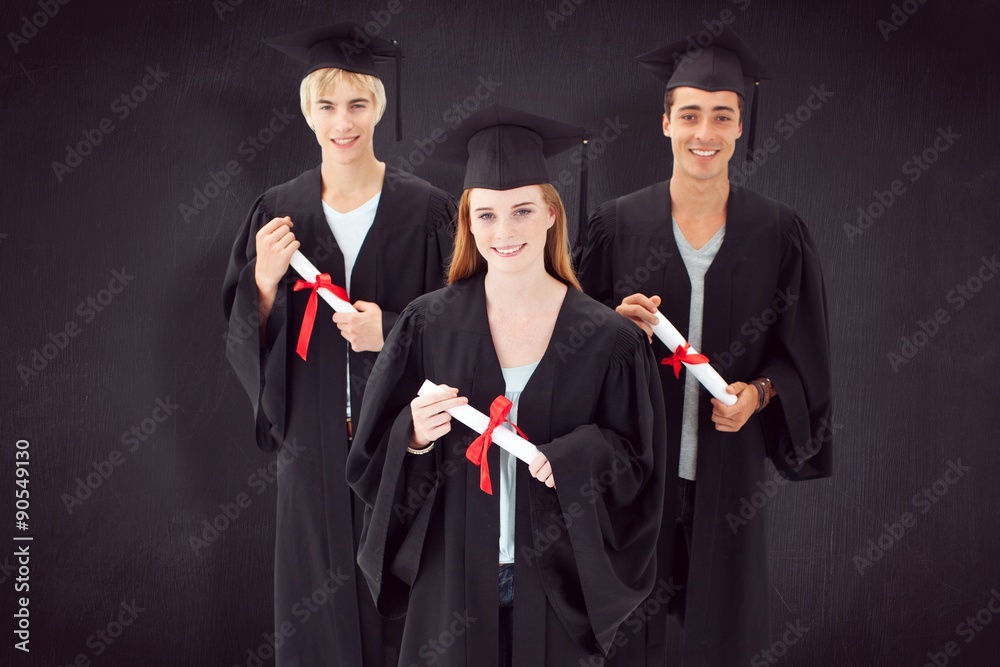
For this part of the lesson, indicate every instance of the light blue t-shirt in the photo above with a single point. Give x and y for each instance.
(515, 379)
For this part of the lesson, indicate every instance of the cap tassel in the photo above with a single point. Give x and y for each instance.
(752, 132)
(399, 91)
(583, 233)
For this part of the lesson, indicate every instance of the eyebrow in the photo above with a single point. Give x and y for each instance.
(697, 107)
(323, 100)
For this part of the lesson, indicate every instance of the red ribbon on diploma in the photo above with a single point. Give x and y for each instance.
(681, 355)
(309, 318)
(476, 453)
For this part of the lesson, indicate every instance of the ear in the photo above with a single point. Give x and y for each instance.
(552, 216)
(739, 132)
(666, 125)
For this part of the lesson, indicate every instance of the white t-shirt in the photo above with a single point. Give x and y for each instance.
(350, 230)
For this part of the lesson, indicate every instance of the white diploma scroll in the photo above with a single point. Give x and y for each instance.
(309, 272)
(705, 374)
(477, 421)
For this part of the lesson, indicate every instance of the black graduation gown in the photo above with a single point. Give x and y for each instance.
(584, 551)
(766, 253)
(299, 406)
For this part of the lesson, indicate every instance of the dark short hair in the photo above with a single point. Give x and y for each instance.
(668, 101)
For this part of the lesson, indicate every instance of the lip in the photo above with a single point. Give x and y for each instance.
(353, 142)
(704, 158)
(520, 248)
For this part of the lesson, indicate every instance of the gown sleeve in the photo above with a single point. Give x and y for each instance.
(259, 365)
(595, 270)
(610, 477)
(797, 423)
(440, 225)
(386, 478)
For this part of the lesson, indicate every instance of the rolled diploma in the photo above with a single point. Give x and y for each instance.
(705, 374)
(308, 272)
(478, 422)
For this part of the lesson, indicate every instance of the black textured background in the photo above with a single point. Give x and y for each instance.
(161, 338)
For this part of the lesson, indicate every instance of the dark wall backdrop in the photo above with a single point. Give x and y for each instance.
(113, 352)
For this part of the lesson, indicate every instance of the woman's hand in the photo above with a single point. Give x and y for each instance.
(430, 421)
(541, 469)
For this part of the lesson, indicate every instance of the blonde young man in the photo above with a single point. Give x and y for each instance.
(384, 237)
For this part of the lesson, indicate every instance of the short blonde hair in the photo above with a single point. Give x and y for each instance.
(466, 260)
(322, 80)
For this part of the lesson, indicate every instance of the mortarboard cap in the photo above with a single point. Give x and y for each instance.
(725, 63)
(345, 46)
(505, 148)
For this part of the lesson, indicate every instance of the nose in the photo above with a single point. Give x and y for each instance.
(505, 227)
(342, 120)
(705, 131)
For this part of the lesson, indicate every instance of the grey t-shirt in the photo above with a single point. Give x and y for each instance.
(697, 263)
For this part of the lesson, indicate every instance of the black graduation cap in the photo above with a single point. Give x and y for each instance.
(726, 63)
(345, 46)
(504, 148)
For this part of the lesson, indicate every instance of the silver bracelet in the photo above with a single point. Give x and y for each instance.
(421, 452)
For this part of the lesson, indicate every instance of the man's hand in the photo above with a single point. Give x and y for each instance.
(363, 329)
(639, 308)
(275, 246)
(430, 421)
(541, 469)
(731, 418)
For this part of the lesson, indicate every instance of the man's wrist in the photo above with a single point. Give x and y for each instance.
(765, 390)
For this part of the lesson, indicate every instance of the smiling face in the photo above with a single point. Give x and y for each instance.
(510, 227)
(344, 118)
(703, 128)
